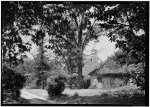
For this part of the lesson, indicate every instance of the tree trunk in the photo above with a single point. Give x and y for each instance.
(80, 54)
(70, 83)
(80, 73)
(43, 79)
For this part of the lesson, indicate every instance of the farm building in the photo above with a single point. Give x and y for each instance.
(102, 77)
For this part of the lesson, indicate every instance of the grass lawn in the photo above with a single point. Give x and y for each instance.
(122, 97)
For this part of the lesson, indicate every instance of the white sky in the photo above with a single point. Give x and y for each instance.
(104, 47)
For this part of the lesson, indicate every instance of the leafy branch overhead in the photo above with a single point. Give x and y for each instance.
(125, 22)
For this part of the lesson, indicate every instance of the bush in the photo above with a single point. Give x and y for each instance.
(86, 83)
(137, 74)
(56, 86)
(12, 82)
(73, 82)
(76, 95)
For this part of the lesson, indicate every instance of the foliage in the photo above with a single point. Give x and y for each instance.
(42, 67)
(13, 50)
(12, 82)
(126, 21)
(56, 87)
(137, 74)
(121, 57)
(67, 30)
(73, 81)
(69, 26)
(12, 47)
(12, 55)
(127, 25)
(70, 65)
(86, 83)
(35, 77)
(76, 95)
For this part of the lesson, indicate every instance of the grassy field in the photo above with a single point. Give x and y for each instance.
(123, 97)
(118, 97)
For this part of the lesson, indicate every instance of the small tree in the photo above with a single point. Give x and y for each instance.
(41, 59)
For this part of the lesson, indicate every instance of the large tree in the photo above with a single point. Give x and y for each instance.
(69, 25)
(41, 59)
(72, 27)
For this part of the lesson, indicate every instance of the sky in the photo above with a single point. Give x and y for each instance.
(104, 47)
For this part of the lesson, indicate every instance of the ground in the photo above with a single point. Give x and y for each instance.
(121, 96)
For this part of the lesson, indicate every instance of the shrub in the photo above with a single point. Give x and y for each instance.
(86, 83)
(76, 95)
(12, 82)
(137, 72)
(56, 86)
(73, 82)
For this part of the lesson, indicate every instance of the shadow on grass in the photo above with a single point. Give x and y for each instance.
(132, 97)
(32, 101)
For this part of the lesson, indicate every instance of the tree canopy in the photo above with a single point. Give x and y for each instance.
(127, 24)
(70, 26)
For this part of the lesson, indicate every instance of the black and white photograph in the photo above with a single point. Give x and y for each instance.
(75, 53)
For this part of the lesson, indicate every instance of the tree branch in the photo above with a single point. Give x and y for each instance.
(86, 38)
(31, 54)
(59, 36)
(75, 19)
(122, 24)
